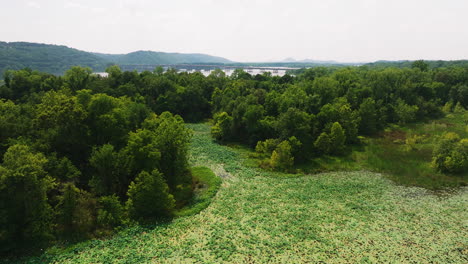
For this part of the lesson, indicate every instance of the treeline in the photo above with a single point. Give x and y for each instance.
(290, 119)
(80, 158)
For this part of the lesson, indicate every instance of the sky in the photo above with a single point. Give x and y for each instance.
(247, 30)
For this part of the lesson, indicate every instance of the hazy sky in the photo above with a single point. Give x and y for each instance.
(247, 30)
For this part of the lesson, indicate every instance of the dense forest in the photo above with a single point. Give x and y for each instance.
(57, 59)
(97, 153)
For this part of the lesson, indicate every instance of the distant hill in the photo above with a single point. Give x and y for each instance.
(152, 57)
(48, 58)
(57, 59)
(406, 63)
(292, 60)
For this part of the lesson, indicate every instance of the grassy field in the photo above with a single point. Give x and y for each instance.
(265, 217)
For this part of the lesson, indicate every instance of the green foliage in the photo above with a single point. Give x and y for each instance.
(110, 212)
(420, 64)
(76, 219)
(149, 197)
(25, 215)
(77, 78)
(323, 143)
(222, 128)
(451, 154)
(270, 217)
(337, 138)
(368, 114)
(281, 158)
(207, 185)
(405, 113)
(110, 171)
(267, 146)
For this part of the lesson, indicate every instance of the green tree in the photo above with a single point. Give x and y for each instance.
(420, 64)
(172, 139)
(110, 213)
(76, 212)
(110, 171)
(222, 130)
(405, 113)
(149, 197)
(451, 154)
(323, 143)
(77, 78)
(281, 158)
(59, 125)
(337, 138)
(25, 215)
(368, 114)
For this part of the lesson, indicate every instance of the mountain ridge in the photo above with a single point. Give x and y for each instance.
(56, 59)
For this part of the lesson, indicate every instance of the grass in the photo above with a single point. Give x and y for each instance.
(263, 217)
(206, 185)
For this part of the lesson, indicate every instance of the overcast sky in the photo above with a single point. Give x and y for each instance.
(247, 30)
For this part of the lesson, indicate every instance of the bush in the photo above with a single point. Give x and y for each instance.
(267, 146)
(281, 158)
(110, 212)
(451, 154)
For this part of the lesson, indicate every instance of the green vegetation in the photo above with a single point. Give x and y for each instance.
(269, 217)
(77, 163)
(154, 58)
(58, 59)
(48, 58)
(104, 154)
(206, 185)
(405, 154)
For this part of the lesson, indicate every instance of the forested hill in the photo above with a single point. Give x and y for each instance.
(151, 57)
(432, 64)
(44, 57)
(57, 59)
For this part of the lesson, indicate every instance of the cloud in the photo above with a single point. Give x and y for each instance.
(33, 4)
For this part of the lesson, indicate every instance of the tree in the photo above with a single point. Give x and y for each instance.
(405, 113)
(75, 210)
(171, 138)
(149, 197)
(110, 213)
(77, 78)
(222, 130)
(281, 158)
(110, 171)
(59, 125)
(451, 154)
(368, 114)
(420, 64)
(25, 215)
(337, 138)
(323, 143)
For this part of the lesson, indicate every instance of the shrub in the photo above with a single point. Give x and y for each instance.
(110, 212)
(281, 158)
(451, 154)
